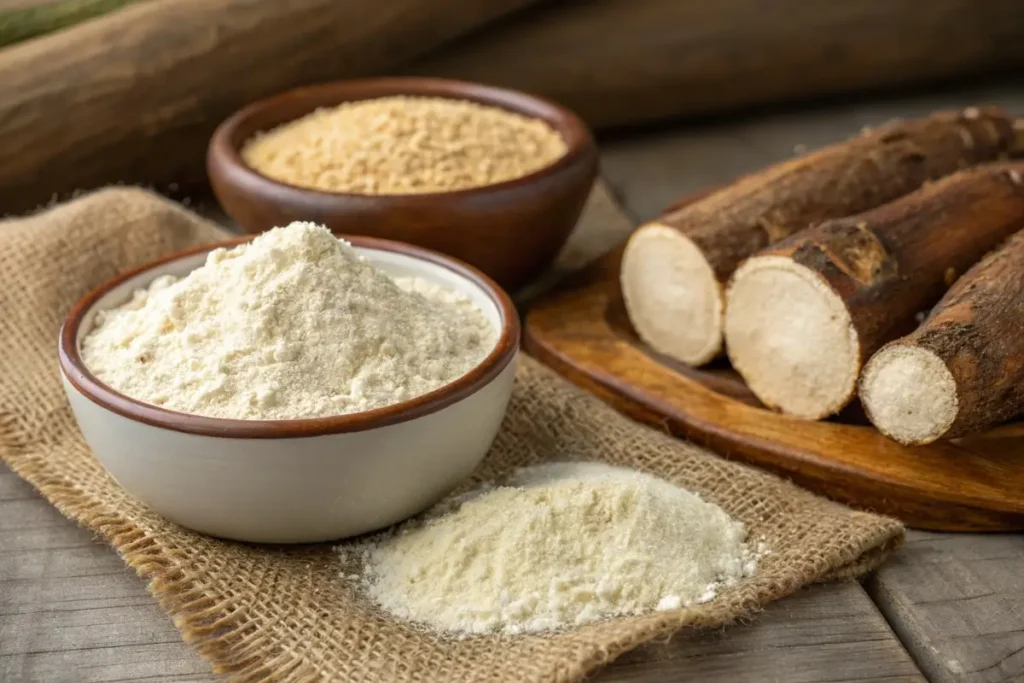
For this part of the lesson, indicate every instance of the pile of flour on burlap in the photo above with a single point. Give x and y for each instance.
(559, 544)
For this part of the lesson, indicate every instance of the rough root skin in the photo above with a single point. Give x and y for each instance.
(672, 295)
(909, 394)
(790, 337)
(973, 338)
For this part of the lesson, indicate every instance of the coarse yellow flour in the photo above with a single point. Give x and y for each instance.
(558, 545)
(405, 145)
(293, 324)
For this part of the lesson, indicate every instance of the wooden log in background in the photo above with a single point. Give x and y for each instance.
(623, 62)
(135, 95)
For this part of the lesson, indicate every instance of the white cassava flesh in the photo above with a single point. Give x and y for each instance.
(790, 336)
(671, 294)
(909, 394)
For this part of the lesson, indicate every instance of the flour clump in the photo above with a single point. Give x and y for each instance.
(558, 545)
(294, 324)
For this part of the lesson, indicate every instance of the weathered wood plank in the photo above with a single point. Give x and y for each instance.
(824, 633)
(71, 611)
(957, 603)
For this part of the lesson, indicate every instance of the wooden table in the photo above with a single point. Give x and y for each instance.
(944, 608)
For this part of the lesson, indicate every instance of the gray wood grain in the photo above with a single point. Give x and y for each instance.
(957, 602)
(824, 633)
(72, 612)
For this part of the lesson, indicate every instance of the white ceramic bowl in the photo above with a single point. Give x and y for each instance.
(292, 481)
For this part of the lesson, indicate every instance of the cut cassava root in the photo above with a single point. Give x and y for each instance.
(804, 315)
(673, 269)
(962, 370)
(672, 294)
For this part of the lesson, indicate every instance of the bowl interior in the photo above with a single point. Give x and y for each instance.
(394, 263)
(269, 113)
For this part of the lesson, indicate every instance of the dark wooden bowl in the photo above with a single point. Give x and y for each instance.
(510, 230)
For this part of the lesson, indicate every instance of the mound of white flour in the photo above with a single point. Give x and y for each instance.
(560, 544)
(294, 324)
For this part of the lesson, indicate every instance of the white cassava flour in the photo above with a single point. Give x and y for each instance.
(294, 324)
(558, 545)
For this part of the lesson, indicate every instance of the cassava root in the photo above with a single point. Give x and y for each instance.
(962, 370)
(805, 314)
(674, 268)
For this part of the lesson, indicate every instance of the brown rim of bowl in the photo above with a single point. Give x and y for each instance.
(497, 360)
(569, 126)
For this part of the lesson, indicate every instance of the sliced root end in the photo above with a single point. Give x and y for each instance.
(909, 394)
(790, 336)
(671, 294)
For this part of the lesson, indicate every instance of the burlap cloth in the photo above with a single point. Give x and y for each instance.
(280, 613)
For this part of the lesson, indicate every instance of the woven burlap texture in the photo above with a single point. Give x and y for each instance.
(281, 613)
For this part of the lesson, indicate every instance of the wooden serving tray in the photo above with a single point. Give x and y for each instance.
(975, 484)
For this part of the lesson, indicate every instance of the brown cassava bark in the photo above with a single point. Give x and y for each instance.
(840, 180)
(892, 262)
(977, 330)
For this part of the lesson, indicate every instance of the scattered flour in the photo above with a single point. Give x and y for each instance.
(559, 544)
(293, 324)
